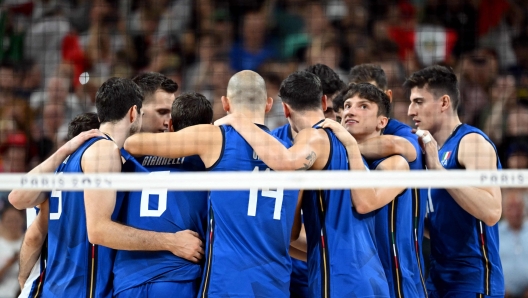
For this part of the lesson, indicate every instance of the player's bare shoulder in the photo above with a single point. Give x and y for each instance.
(102, 156)
(475, 152)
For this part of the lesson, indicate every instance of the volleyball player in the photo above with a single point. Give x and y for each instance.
(397, 138)
(463, 229)
(331, 84)
(249, 231)
(33, 250)
(342, 256)
(365, 115)
(154, 274)
(80, 223)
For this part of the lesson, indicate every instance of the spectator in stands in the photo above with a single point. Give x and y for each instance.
(275, 117)
(57, 92)
(44, 38)
(520, 47)
(12, 223)
(14, 154)
(517, 155)
(7, 82)
(253, 49)
(513, 233)
(326, 50)
(478, 70)
(503, 98)
(196, 74)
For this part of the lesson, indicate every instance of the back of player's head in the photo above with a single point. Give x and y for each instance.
(439, 80)
(82, 122)
(367, 73)
(247, 89)
(149, 82)
(371, 93)
(190, 109)
(115, 97)
(330, 80)
(302, 91)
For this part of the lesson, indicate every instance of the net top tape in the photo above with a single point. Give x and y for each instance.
(263, 180)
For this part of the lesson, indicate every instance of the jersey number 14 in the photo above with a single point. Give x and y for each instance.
(265, 192)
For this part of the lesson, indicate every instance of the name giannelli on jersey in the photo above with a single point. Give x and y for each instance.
(161, 161)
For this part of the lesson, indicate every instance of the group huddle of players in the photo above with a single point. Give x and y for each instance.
(344, 243)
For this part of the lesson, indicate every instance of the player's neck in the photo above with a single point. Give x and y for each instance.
(306, 119)
(254, 117)
(360, 138)
(447, 128)
(118, 132)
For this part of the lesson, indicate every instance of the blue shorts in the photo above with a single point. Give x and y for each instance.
(161, 289)
(455, 294)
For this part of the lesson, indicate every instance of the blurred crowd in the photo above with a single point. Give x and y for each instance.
(54, 54)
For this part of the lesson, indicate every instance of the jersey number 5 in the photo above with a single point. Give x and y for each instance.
(253, 197)
(161, 193)
(56, 215)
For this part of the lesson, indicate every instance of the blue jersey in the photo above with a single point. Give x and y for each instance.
(342, 256)
(161, 210)
(395, 243)
(249, 231)
(284, 134)
(299, 276)
(464, 250)
(76, 268)
(419, 198)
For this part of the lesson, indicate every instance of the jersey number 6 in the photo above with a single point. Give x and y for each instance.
(161, 193)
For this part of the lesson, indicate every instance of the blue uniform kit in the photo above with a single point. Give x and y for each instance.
(161, 210)
(246, 235)
(75, 267)
(465, 251)
(248, 231)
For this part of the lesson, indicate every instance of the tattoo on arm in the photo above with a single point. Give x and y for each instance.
(311, 159)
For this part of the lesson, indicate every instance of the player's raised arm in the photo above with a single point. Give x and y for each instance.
(24, 198)
(307, 148)
(203, 140)
(387, 145)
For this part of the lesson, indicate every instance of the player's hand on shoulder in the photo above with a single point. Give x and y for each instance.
(187, 245)
(78, 140)
(341, 133)
(429, 147)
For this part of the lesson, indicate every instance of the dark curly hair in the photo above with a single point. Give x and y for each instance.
(329, 79)
(439, 80)
(371, 93)
(366, 73)
(190, 109)
(149, 82)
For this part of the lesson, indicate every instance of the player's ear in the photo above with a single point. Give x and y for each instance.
(225, 104)
(324, 102)
(133, 113)
(445, 103)
(382, 122)
(171, 128)
(286, 110)
(389, 94)
(269, 104)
